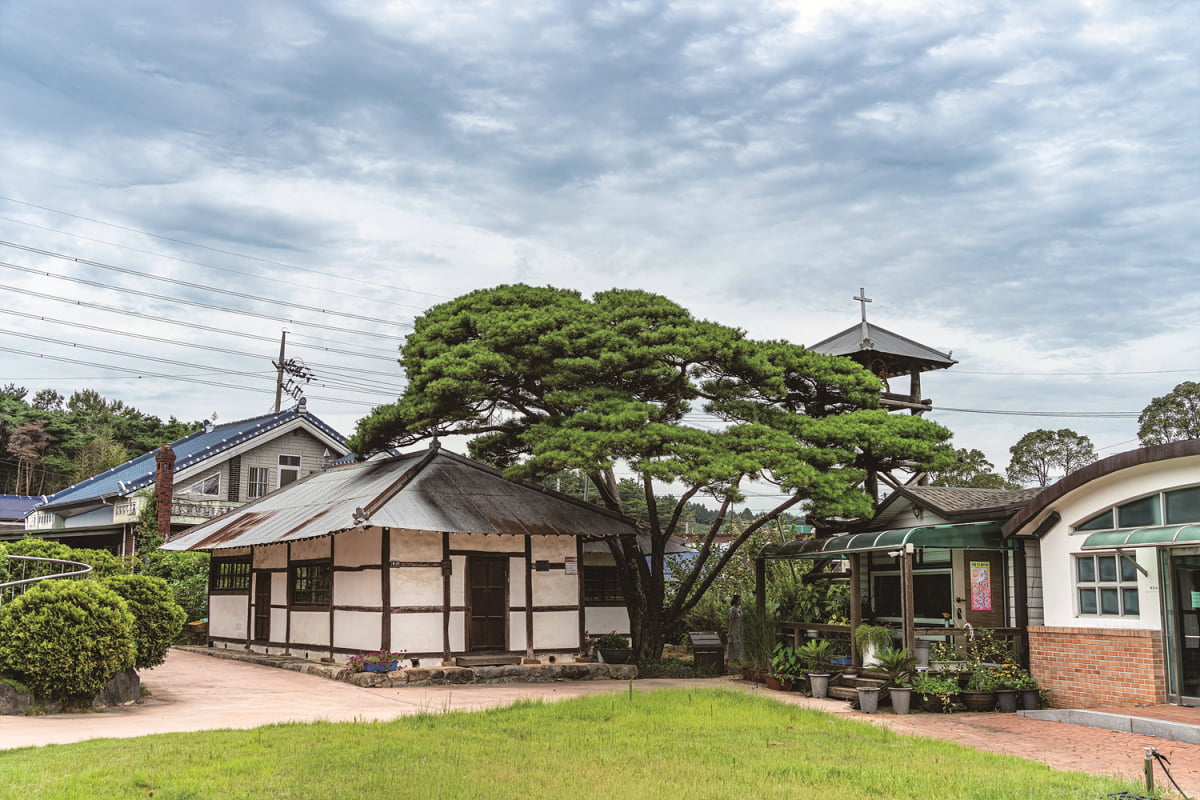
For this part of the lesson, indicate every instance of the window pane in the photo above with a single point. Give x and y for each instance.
(1100, 522)
(1087, 601)
(1183, 505)
(1129, 597)
(1085, 569)
(1108, 567)
(1109, 602)
(1128, 570)
(1139, 512)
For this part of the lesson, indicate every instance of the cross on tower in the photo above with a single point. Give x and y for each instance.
(863, 299)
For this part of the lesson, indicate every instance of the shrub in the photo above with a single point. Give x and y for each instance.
(66, 639)
(157, 617)
(186, 574)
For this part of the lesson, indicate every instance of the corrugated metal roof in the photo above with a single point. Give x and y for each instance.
(189, 450)
(867, 341)
(959, 536)
(16, 506)
(427, 491)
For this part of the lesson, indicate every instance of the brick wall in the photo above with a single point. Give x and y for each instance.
(1085, 667)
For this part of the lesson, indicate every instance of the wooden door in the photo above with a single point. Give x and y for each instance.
(487, 603)
(262, 606)
(984, 589)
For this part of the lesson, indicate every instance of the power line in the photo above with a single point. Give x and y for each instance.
(1080, 414)
(197, 303)
(217, 249)
(201, 286)
(169, 257)
(156, 318)
(1078, 374)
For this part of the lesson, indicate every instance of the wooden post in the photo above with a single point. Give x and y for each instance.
(907, 604)
(915, 389)
(1021, 601)
(385, 588)
(760, 586)
(855, 605)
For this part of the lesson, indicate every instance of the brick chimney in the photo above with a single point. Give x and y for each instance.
(164, 488)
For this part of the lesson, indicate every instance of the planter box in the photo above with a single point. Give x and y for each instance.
(615, 655)
(387, 666)
(979, 701)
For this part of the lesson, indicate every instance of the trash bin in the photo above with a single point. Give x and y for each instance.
(708, 651)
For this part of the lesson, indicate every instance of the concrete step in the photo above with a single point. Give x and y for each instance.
(499, 660)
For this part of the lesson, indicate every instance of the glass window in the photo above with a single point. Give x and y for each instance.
(260, 482)
(289, 469)
(312, 584)
(210, 485)
(1138, 513)
(1106, 585)
(602, 585)
(1100, 522)
(230, 575)
(1183, 505)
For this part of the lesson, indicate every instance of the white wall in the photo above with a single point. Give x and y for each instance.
(358, 548)
(360, 630)
(272, 556)
(310, 627)
(305, 549)
(420, 633)
(227, 615)
(358, 588)
(555, 629)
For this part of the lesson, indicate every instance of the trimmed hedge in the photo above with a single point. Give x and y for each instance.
(66, 639)
(158, 619)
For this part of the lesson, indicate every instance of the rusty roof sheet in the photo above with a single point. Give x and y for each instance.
(429, 491)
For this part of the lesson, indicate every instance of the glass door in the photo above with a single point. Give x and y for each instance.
(1184, 621)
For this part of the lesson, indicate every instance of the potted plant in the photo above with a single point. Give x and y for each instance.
(980, 694)
(786, 666)
(897, 663)
(937, 693)
(945, 657)
(1028, 696)
(1007, 678)
(815, 655)
(380, 661)
(869, 639)
(613, 648)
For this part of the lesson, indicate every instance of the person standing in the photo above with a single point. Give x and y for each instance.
(733, 636)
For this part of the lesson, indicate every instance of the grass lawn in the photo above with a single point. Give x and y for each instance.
(673, 745)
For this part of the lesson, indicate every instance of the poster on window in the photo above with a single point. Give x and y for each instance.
(981, 586)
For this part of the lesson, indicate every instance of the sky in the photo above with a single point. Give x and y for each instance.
(1013, 182)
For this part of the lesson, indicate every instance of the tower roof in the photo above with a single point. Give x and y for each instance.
(869, 344)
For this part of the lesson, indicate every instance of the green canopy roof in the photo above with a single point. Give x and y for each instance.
(961, 536)
(1159, 536)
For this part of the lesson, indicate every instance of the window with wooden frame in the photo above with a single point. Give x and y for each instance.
(229, 575)
(602, 586)
(289, 469)
(311, 584)
(259, 482)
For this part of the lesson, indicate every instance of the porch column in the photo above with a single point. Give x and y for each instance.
(907, 604)
(1021, 601)
(855, 606)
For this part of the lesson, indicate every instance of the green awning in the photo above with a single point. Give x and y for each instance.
(961, 536)
(1159, 536)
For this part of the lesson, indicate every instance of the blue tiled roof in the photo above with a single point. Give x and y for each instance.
(190, 450)
(16, 506)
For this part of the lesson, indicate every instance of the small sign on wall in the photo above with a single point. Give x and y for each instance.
(571, 565)
(981, 586)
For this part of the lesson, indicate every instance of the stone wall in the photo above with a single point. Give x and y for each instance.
(1086, 667)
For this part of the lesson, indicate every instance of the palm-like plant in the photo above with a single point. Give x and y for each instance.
(896, 662)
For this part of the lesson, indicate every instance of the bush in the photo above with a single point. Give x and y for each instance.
(186, 574)
(66, 639)
(158, 618)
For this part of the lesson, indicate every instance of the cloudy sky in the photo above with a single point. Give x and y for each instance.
(1015, 182)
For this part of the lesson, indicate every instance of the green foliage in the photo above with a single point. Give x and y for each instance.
(759, 635)
(1041, 454)
(548, 381)
(971, 470)
(786, 662)
(158, 618)
(895, 661)
(611, 641)
(983, 679)
(66, 639)
(1173, 417)
(673, 668)
(872, 637)
(929, 685)
(816, 655)
(185, 573)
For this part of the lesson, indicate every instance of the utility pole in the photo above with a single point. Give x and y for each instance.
(279, 373)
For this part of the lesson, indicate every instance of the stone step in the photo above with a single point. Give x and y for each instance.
(499, 660)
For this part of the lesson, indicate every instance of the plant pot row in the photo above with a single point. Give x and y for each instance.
(1008, 700)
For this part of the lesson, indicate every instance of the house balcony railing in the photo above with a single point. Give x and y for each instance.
(201, 510)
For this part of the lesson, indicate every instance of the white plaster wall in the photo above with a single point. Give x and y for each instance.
(279, 587)
(271, 556)
(359, 588)
(310, 627)
(606, 619)
(101, 516)
(487, 543)
(278, 624)
(552, 548)
(416, 586)
(418, 633)
(458, 632)
(311, 548)
(555, 588)
(516, 631)
(516, 581)
(1060, 543)
(555, 629)
(230, 552)
(358, 548)
(416, 545)
(227, 615)
(458, 572)
(359, 630)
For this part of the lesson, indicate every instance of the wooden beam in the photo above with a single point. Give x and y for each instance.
(855, 604)
(385, 588)
(907, 605)
(529, 597)
(446, 569)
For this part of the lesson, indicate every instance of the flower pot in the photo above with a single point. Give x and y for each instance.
(921, 651)
(978, 701)
(1006, 700)
(1030, 699)
(386, 666)
(819, 683)
(786, 682)
(772, 681)
(868, 699)
(615, 655)
(934, 703)
(901, 698)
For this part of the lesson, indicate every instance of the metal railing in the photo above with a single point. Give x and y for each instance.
(12, 589)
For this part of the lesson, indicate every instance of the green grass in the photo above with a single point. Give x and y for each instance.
(674, 745)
